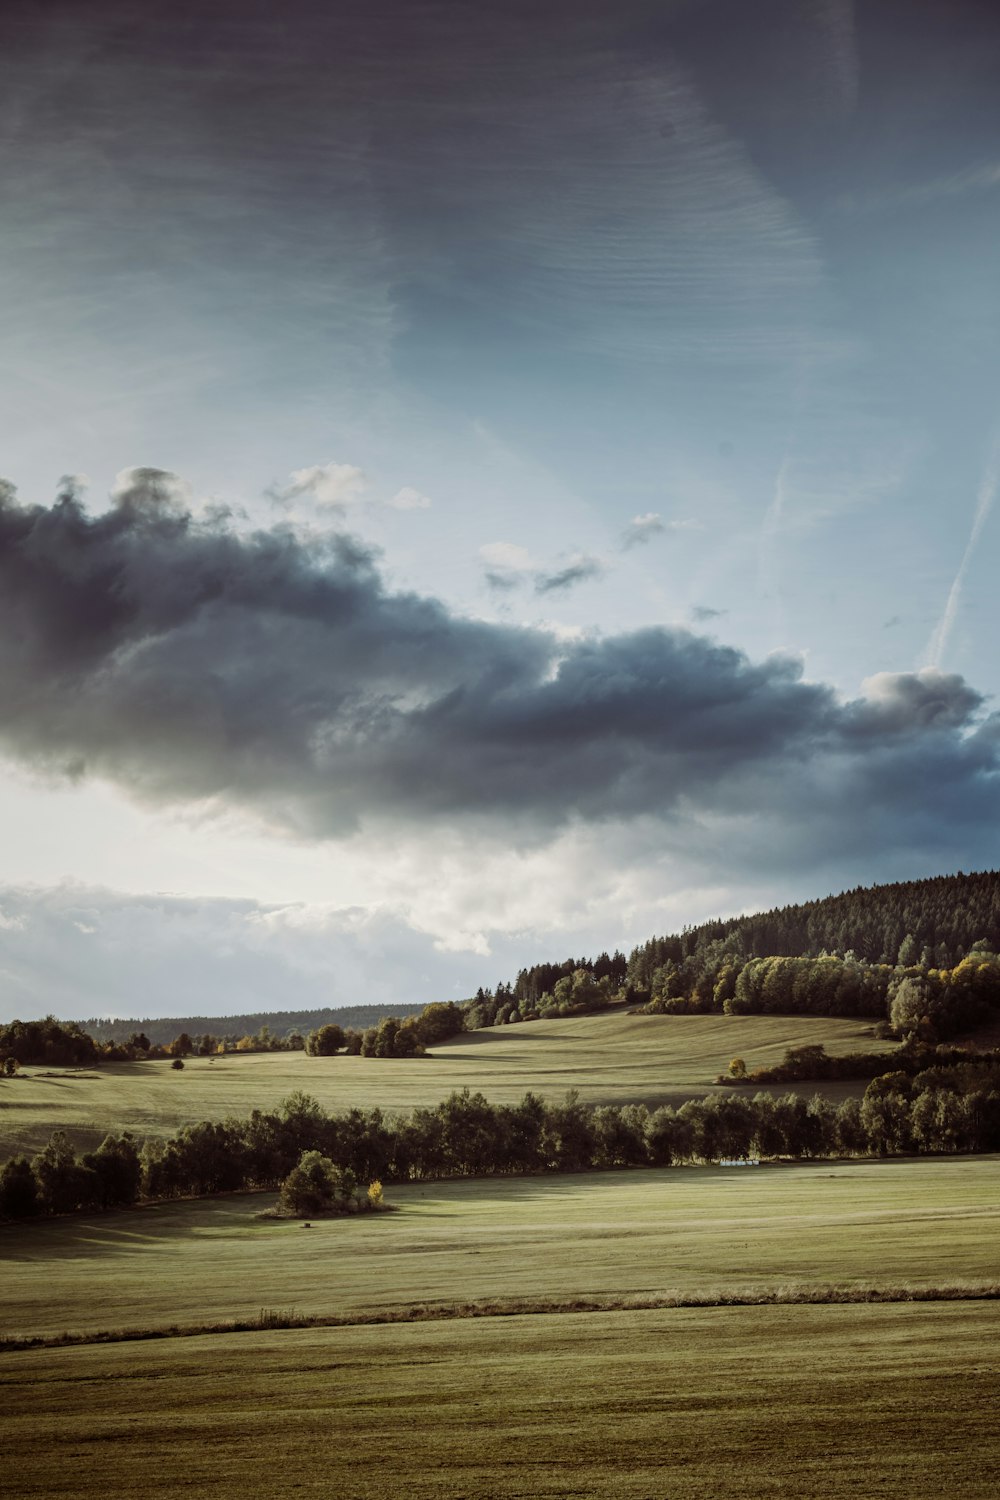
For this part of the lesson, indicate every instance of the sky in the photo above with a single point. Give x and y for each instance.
(484, 484)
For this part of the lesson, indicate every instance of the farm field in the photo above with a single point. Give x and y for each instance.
(609, 1058)
(642, 1233)
(859, 1402)
(822, 1400)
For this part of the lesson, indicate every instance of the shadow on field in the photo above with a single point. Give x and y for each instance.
(30, 1106)
(70, 1237)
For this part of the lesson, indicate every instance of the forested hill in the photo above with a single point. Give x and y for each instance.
(162, 1031)
(930, 945)
(926, 922)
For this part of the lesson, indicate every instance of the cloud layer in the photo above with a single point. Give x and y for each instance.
(81, 951)
(275, 675)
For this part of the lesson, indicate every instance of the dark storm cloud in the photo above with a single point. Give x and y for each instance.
(266, 673)
(903, 702)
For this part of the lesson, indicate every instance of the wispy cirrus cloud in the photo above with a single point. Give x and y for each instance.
(983, 177)
(985, 500)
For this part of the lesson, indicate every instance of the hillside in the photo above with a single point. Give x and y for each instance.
(613, 1057)
(845, 955)
(929, 922)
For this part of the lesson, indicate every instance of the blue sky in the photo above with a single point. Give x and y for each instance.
(649, 356)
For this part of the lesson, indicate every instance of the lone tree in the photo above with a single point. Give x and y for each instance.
(317, 1186)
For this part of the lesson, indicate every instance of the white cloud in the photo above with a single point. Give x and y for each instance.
(81, 951)
(643, 528)
(330, 487)
(508, 565)
(507, 555)
(409, 499)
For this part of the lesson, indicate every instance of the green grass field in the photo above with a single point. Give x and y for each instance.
(537, 1397)
(923, 1221)
(839, 1403)
(610, 1058)
(832, 1401)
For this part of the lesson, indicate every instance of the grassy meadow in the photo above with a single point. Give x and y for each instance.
(688, 1404)
(817, 1400)
(539, 1394)
(610, 1058)
(646, 1232)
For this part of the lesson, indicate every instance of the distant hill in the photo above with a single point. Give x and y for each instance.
(161, 1030)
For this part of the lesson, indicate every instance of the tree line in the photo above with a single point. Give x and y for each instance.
(161, 1030)
(52, 1043)
(946, 1107)
(908, 1001)
(911, 1003)
(392, 1036)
